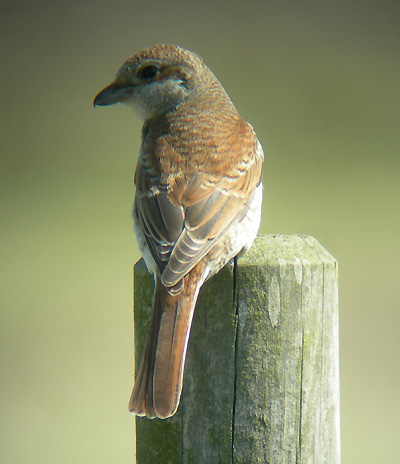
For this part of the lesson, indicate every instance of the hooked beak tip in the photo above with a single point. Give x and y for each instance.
(110, 95)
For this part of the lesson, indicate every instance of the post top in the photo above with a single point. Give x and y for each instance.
(270, 249)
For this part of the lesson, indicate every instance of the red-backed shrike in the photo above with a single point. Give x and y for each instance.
(197, 203)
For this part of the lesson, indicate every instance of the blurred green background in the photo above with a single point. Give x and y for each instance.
(318, 80)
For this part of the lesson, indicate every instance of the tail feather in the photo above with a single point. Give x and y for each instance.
(159, 380)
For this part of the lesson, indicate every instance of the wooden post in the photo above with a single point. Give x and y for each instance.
(261, 382)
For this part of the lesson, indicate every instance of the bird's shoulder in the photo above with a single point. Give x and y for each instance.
(201, 150)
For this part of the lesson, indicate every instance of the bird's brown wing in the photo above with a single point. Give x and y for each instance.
(184, 217)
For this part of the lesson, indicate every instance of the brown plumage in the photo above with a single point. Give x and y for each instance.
(197, 202)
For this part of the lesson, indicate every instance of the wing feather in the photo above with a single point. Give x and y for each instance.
(184, 216)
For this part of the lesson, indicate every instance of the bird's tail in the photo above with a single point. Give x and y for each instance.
(158, 385)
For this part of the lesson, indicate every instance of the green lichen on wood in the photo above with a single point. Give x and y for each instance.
(208, 387)
(281, 354)
(203, 423)
(158, 442)
(261, 378)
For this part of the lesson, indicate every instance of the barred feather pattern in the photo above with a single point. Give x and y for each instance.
(197, 202)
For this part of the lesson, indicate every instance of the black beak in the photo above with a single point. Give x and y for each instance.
(111, 95)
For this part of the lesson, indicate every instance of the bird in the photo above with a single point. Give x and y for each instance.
(197, 200)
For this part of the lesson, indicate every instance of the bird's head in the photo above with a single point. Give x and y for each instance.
(155, 80)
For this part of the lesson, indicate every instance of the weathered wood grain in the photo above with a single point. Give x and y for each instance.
(261, 381)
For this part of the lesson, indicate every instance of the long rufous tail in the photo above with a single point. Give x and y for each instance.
(159, 380)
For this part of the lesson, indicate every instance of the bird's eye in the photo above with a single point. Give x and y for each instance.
(148, 73)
